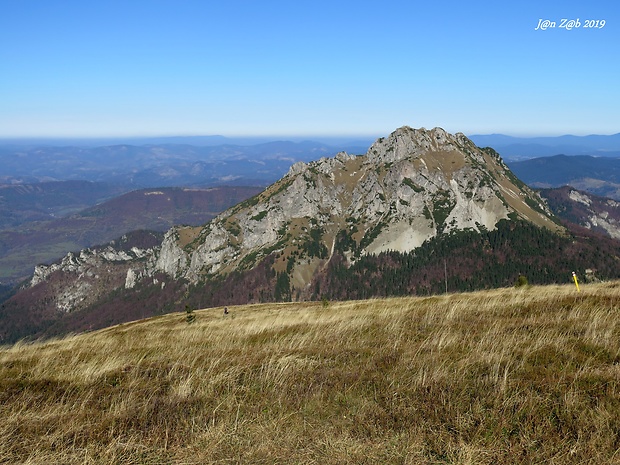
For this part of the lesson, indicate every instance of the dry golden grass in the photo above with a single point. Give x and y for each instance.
(525, 375)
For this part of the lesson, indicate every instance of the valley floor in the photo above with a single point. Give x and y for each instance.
(528, 375)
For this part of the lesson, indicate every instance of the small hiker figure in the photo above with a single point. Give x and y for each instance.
(225, 310)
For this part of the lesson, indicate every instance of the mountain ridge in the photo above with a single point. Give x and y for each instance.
(598, 175)
(544, 146)
(408, 187)
(585, 209)
(166, 165)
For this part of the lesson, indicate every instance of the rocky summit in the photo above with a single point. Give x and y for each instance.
(408, 188)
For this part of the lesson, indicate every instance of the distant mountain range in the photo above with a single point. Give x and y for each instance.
(26, 203)
(159, 165)
(507, 146)
(198, 141)
(215, 160)
(597, 175)
(530, 147)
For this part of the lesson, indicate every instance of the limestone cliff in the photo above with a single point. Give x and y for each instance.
(406, 189)
(80, 279)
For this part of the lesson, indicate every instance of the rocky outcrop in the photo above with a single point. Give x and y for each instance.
(87, 260)
(590, 211)
(80, 279)
(407, 188)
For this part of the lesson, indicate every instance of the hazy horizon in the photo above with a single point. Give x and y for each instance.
(215, 139)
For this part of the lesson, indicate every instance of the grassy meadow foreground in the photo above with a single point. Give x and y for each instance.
(528, 375)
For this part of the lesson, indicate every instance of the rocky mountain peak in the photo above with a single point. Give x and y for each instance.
(407, 142)
(409, 187)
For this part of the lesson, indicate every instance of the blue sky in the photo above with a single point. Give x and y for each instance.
(186, 67)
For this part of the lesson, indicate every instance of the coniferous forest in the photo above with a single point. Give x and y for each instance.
(468, 260)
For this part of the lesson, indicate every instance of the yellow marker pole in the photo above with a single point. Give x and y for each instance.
(576, 282)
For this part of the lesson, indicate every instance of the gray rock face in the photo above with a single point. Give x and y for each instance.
(601, 213)
(90, 273)
(409, 187)
(410, 143)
